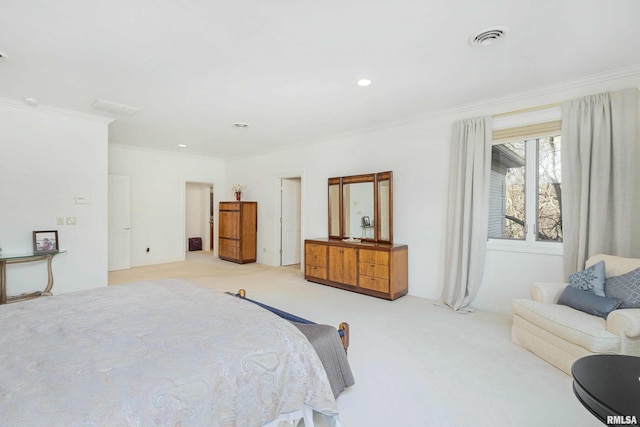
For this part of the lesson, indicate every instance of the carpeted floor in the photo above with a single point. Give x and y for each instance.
(415, 364)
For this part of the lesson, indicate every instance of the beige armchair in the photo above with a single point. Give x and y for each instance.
(560, 334)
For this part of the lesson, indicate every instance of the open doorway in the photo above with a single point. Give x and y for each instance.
(290, 221)
(199, 212)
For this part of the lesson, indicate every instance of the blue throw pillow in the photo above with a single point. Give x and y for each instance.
(626, 287)
(588, 302)
(590, 279)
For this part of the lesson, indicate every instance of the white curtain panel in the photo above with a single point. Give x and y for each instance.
(601, 177)
(467, 213)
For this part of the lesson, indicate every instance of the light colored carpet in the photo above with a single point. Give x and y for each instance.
(415, 364)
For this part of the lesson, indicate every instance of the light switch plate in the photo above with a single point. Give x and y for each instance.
(71, 220)
(60, 220)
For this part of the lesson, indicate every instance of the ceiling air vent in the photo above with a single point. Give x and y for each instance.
(114, 107)
(487, 36)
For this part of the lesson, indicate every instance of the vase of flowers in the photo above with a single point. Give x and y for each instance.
(237, 189)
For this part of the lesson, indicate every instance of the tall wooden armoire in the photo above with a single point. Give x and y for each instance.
(237, 233)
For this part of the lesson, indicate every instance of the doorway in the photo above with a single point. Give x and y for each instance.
(199, 212)
(290, 221)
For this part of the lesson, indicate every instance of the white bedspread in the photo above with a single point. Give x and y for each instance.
(163, 353)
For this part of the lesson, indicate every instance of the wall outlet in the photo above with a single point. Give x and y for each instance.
(71, 220)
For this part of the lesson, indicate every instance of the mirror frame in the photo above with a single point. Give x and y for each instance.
(338, 182)
(374, 178)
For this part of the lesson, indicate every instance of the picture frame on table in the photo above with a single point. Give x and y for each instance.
(366, 221)
(45, 241)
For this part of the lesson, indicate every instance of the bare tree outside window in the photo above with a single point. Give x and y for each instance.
(549, 221)
(510, 198)
(515, 197)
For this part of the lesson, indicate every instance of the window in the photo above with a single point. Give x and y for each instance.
(526, 192)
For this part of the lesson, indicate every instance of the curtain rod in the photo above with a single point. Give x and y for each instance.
(526, 110)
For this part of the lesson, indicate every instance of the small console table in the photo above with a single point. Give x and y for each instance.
(19, 258)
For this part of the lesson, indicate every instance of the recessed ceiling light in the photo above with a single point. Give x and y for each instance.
(31, 100)
(182, 145)
(241, 125)
(363, 82)
(488, 36)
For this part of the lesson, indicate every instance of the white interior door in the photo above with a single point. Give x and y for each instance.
(119, 222)
(290, 228)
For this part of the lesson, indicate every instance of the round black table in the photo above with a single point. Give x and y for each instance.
(608, 385)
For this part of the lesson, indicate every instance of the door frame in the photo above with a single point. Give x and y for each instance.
(209, 186)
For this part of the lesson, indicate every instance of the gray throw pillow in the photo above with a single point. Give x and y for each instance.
(590, 279)
(626, 287)
(588, 302)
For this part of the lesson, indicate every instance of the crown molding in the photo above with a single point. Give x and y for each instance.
(495, 105)
(164, 151)
(7, 102)
(590, 80)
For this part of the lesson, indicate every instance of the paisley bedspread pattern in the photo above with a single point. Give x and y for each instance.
(153, 353)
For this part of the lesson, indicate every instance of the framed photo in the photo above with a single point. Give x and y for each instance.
(366, 222)
(45, 241)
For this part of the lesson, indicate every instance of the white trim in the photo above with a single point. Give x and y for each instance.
(55, 110)
(545, 248)
(527, 118)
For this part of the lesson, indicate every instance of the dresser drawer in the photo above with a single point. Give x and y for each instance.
(374, 270)
(374, 283)
(229, 248)
(374, 257)
(317, 260)
(315, 271)
(311, 249)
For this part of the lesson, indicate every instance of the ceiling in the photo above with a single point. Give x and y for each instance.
(288, 67)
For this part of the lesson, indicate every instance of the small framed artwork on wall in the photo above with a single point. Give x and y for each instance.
(45, 241)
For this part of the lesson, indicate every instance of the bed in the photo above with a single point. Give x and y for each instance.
(160, 353)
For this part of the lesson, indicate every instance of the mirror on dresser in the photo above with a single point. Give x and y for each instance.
(361, 207)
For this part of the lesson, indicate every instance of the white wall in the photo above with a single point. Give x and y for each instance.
(418, 154)
(47, 158)
(158, 194)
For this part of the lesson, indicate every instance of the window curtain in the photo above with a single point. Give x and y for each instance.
(601, 177)
(467, 213)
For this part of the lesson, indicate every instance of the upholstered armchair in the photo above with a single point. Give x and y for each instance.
(561, 334)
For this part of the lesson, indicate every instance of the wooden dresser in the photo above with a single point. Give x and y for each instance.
(237, 232)
(376, 269)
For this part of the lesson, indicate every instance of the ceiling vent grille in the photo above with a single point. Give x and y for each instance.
(114, 107)
(487, 36)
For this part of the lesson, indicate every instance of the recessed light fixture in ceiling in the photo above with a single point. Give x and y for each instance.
(30, 100)
(241, 125)
(114, 107)
(488, 36)
(182, 145)
(363, 82)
